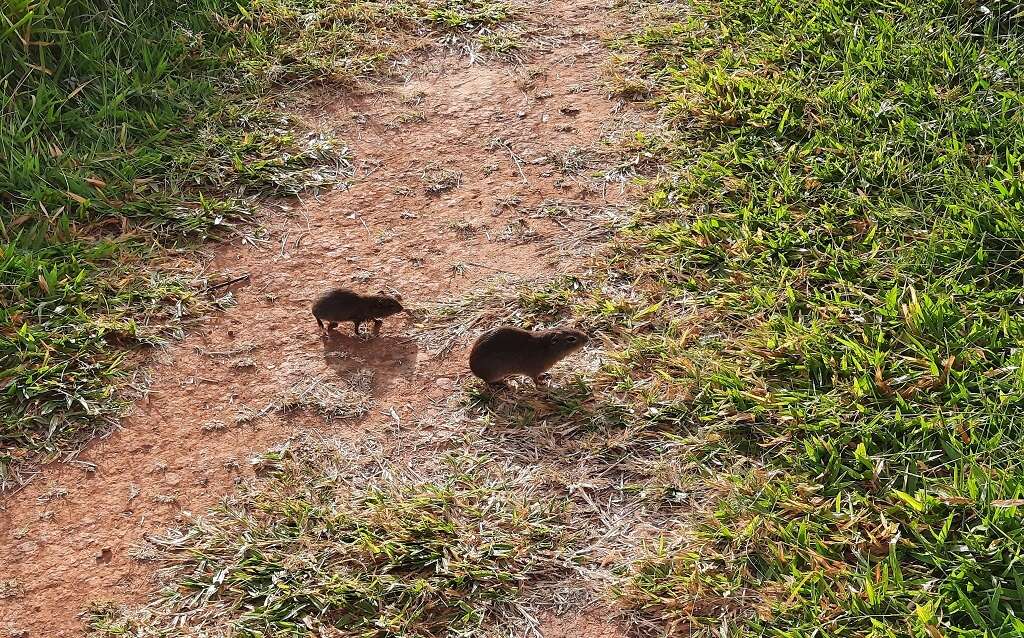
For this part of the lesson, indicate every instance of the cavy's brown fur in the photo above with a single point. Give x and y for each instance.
(507, 351)
(342, 304)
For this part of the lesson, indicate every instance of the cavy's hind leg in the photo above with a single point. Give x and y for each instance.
(542, 380)
(355, 326)
(377, 323)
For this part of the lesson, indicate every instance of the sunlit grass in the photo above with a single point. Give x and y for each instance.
(842, 222)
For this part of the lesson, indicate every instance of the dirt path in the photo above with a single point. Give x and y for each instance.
(67, 539)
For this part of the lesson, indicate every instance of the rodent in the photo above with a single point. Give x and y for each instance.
(343, 304)
(504, 352)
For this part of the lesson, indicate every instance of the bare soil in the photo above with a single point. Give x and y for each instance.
(67, 539)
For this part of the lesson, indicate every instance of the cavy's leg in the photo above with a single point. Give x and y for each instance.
(356, 325)
(377, 323)
(542, 379)
(331, 325)
(320, 323)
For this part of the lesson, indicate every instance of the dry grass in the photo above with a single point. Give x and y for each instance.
(332, 541)
(346, 400)
(437, 179)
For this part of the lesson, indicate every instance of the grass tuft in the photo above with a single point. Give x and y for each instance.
(313, 547)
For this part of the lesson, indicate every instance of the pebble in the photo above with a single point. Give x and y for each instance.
(28, 547)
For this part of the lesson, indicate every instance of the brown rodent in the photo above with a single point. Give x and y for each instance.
(345, 305)
(505, 352)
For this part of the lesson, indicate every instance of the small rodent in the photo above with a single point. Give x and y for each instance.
(504, 352)
(342, 304)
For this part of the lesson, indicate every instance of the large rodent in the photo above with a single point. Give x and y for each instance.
(342, 304)
(506, 351)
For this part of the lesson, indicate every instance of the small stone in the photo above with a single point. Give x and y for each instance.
(28, 547)
(443, 382)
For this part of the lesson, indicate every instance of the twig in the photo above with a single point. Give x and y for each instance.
(516, 160)
(369, 235)
(227, 283)
(505, 272)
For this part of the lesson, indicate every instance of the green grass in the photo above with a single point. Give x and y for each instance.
(317, 547)
(129, 132)
(836, 255)
(811, 386)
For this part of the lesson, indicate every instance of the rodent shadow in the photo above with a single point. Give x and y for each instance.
(388, 357)
(568, 407)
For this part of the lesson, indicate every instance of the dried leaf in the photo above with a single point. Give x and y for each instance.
(882, 384)
(1009, 502)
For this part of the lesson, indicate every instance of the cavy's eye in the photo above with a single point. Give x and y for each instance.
(571, 338)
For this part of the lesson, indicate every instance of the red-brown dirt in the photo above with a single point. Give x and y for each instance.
(65, 539)
(594, 623)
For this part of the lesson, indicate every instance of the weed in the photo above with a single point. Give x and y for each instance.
(504, 42)
(518, 231)
(438, 179)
